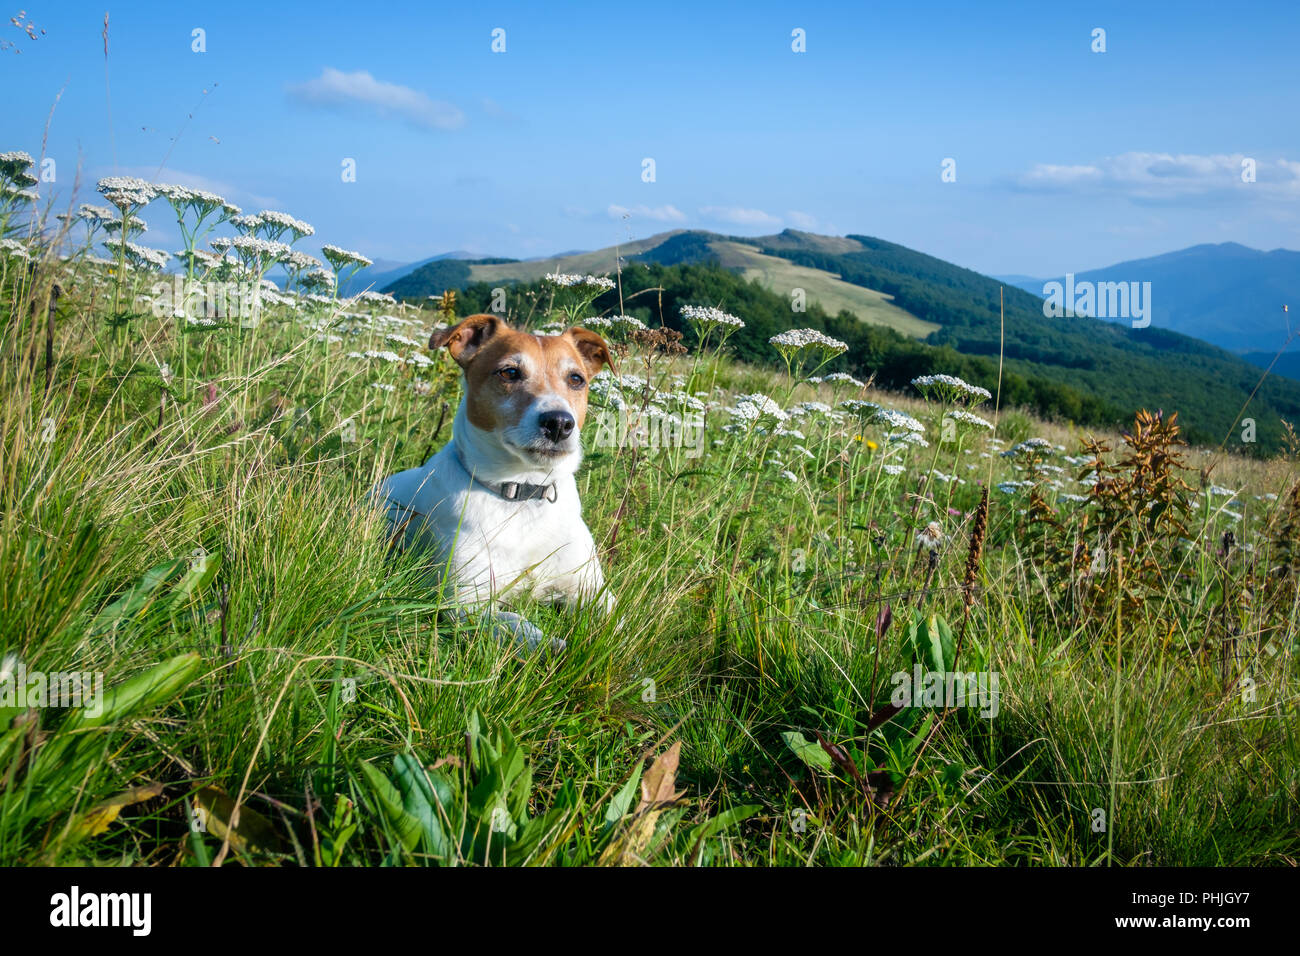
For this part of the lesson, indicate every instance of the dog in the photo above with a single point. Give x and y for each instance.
(498, 505)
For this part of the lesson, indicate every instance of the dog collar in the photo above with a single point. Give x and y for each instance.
(514, 490)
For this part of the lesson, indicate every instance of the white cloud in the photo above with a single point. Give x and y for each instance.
(739, 216)
(1047, 174)
(658, 213)
(1146, 175)
(334, 89)
(802, 220)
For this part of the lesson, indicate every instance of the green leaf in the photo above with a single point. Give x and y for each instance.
(724, 820)
(197, 576)
(621, 803)
(932, 643)
(146, 691)
(810, 752)
(137, 597)
(404, 824)
(421, 803)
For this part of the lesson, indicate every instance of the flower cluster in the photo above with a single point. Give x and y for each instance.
(275, 224)
(950, 388)
(751, 408)
(967, 418)
(703, 317)
(204, 202)
(339, 258)
(15, 163)
(139, 256)
(1030, 446)
(896, 419)
(583, 283)
(127, 192)
(792, 341)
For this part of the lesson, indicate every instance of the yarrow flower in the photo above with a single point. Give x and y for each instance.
(96, 215)
(339, 258)
(793, 341)
(753, 407)
(275, 224)
(136, 225)
(1011, 487)
(704, 318)
(950, 388)
(810, 408)
(14, 248)
(966, 418)
(14, 163)
(627, 323)
(257, 253)
(127, 192)
(201, 257)
(859, 407)
(906, 438)
(896, 419)
(1030, 446)
(299, 261)
(202, 201)
(842, 378)
(141, 257)
(581, 283)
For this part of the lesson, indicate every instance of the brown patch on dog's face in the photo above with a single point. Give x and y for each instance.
(513, 376)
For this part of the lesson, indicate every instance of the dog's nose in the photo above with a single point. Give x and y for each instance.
(557, 426)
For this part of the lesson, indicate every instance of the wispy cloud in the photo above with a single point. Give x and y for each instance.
(1143, 175)
(334, 89)
(739, 216)
(657, 213)
(802, 220)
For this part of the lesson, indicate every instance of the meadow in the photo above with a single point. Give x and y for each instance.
(182, 490)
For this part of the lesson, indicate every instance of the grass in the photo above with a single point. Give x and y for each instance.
(287, 691)
(825, 288)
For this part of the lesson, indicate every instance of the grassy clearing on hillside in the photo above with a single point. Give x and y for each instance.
(285, 691)
(826, 289)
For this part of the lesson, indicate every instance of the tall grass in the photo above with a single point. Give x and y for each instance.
(210, 542)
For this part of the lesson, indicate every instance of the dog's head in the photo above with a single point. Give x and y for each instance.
(526, 392)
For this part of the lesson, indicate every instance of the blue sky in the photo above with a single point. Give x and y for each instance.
(1066, 159)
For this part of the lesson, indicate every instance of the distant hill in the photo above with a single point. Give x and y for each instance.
(384, 272)
(1227, 294)
(941, 318)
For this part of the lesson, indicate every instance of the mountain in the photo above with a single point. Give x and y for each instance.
(905, 313)
(384, 272)
(1227, 294)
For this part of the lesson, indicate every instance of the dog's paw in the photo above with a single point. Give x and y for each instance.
(514, 630)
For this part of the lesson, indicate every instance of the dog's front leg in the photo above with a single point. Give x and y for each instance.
(510, 629)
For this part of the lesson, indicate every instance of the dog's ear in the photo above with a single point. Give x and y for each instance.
(464, 339)
(592, 348)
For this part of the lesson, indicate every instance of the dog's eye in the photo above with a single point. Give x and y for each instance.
(509, 373)
(576, 380)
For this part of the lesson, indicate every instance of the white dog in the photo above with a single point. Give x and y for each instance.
(498, 505)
